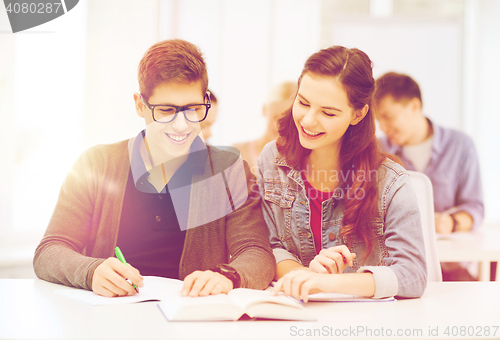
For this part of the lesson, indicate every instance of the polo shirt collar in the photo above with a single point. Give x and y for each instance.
(196, 160)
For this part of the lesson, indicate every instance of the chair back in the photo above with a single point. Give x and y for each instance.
(423, 189)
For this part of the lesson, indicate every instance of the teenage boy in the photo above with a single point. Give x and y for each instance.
(176, 206)
(446, 156)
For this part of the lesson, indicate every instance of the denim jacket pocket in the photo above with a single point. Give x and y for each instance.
(279, 193)
(281, 198)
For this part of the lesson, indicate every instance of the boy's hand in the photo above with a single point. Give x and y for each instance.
(203, 283)
(110, 278)
(444, 223)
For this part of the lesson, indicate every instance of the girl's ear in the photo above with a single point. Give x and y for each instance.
(139, 105)
(359, 115)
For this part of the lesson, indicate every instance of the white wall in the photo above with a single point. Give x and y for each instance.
(7, 60)
(118, 34)
(486, 108)
(41, 87)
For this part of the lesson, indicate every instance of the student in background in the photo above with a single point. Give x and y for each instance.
(279, 98)
(342, 216)
(154, 197)
(206, 125)
(446, 156)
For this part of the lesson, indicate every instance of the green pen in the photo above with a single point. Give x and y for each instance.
(120, 257)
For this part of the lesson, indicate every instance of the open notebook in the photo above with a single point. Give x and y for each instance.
(155, 289)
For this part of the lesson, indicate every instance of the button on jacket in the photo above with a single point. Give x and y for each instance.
(398, 258)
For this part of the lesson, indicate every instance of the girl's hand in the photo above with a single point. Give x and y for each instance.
(300, 283)
(332, 260)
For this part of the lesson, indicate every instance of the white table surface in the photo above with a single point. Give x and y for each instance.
(481, 246)
(29, 309)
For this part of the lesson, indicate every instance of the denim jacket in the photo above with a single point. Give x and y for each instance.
(397, 261)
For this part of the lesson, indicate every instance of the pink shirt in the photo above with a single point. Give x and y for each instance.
(316, 199)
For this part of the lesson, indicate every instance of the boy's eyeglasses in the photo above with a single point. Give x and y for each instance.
(193, 113)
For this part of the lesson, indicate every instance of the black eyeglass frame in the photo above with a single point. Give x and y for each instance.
(179, 109)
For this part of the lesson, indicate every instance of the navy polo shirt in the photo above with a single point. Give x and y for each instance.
(149, 233)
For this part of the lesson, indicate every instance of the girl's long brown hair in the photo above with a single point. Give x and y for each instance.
(360, 155)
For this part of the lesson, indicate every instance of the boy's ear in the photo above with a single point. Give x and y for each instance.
(359, 115)
(139, 105)
(415, 104)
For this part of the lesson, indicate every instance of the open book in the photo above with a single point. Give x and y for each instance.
(240, 301)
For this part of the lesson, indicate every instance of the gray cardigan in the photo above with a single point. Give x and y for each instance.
(83, 230)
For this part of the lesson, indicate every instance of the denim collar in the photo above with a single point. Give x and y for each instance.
(294, 174)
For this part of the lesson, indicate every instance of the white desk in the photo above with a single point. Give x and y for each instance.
(29, 309)
(481, 246)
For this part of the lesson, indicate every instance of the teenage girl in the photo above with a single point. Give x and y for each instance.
(342, 216)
